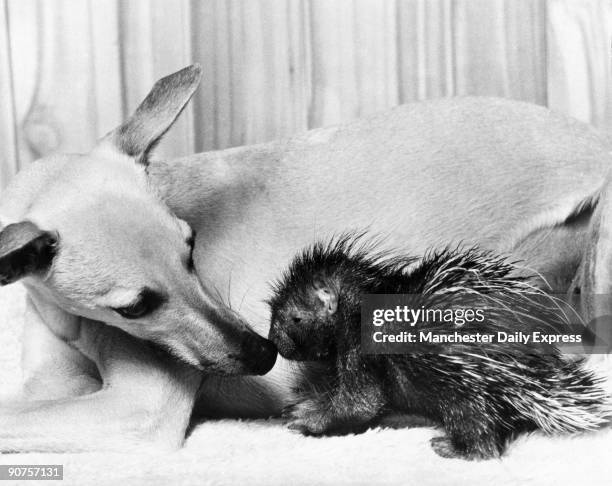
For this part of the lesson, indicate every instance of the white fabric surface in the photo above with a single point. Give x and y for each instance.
(264, 452)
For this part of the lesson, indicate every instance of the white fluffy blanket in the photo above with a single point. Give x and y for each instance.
(264, 452)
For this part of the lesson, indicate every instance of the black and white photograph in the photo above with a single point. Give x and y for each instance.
(306, 242)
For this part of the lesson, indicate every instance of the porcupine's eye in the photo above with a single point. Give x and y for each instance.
(296, 319)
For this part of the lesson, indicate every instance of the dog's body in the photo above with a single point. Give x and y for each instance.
(505, 175)
(501, 174)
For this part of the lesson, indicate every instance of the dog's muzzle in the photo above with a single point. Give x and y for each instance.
(258, 354)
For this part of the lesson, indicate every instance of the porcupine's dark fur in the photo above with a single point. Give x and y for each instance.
(483, 397)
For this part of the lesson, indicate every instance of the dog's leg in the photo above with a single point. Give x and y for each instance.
(52, 369)
(146, 401)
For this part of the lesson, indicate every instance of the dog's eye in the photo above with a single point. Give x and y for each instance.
(147, 302)
(191, 243)
(134, 311)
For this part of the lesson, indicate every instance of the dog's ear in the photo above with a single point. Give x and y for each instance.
(139, 134)
(25, 249)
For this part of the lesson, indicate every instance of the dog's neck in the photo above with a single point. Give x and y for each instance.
(212, 185)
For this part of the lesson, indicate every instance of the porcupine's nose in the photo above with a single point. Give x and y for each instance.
(287, 346)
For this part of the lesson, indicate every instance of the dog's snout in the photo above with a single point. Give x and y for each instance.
(259, 353)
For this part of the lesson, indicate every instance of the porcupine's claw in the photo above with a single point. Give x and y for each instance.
(308, 417)
(444, 448)
(303, 428)
(287, 411)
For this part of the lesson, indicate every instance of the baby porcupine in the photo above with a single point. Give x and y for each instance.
(482, 396)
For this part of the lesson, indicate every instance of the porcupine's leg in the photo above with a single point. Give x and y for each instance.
(348, 405)
(471, 434)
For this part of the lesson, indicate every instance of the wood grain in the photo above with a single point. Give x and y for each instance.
(579, 40)
(9, 155)
(70, 70)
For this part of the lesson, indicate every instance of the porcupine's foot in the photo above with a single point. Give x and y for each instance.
(311, 417)
(308, 418)
(444, 447)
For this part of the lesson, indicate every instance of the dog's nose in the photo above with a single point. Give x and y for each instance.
(259, 354)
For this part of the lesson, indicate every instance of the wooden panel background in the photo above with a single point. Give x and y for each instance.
(70, 70)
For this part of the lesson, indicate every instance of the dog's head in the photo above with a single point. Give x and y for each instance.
(89, 233)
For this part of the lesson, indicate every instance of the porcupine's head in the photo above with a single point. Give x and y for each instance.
(317, 300)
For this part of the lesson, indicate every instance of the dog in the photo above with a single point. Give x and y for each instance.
(118, 250)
